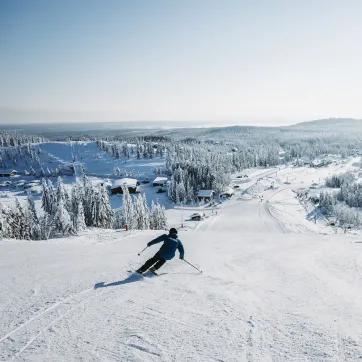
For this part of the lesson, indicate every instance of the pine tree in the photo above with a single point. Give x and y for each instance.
(6, 222)
(141, 213)
(128, 209)
(62, 194)
(79, 222)
(20, 224)
(32, 219)
(62, 220)
(104, 212)
(118, 220)
(51, 196)
(46, 202)
(46, 224)
(146, 212)
(158, 220)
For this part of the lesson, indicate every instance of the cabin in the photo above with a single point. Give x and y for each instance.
(195, 216)
(131, 183)
(317, 163)
(205, 195)
(7, 173)
(67, 170)
(160, 181)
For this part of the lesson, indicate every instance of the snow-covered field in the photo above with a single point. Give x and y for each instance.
(264, 295)
(275, 285)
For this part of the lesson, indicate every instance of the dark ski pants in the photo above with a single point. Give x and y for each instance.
(157, 261)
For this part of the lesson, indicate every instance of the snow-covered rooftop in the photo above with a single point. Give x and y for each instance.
(130, 182)
(160, 180)
(205, 193)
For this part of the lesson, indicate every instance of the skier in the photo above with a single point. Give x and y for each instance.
(166, 252)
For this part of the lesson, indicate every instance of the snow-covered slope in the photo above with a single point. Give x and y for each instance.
(264, 295)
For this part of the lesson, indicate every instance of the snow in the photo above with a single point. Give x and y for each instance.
(125, 182)
(263, 295)
(277, 285)
(160, 180)
(205, 193)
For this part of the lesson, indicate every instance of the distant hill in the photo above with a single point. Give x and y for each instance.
(330, 124)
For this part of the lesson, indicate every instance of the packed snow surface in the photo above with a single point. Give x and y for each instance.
(264, 295)
(275, 286)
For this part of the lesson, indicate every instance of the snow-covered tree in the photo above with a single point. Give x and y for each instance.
(62, 220)
(128, 209)
(118, 220)
(141, 213)
(158, 220)
(32, 219)
(46, 198)
(79, 221)
(104, 214)
(61, 193)
(6, 223)
(47, 228)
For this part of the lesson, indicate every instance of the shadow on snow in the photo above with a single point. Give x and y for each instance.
(131, 279)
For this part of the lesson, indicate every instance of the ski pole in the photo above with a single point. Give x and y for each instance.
(192, 265)
(142, 251)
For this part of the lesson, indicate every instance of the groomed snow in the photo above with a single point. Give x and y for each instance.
(275, 285)
(264, 295)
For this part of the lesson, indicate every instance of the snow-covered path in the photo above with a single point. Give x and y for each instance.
(276, 298)
(244, 215)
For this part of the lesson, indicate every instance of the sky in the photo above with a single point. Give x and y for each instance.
(248, 62)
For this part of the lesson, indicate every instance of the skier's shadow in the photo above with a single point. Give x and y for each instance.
(131, 279)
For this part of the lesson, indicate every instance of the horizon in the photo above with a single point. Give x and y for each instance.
(261, 64)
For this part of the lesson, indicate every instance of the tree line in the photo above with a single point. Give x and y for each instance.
(345, 203)
(66, 213)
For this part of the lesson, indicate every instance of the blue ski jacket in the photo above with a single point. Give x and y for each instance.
(170, 243)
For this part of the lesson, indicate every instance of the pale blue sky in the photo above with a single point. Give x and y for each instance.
(252, 62)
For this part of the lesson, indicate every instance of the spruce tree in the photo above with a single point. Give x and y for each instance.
(128, 209)
(62, 220)
(79, 222)
(104, 211)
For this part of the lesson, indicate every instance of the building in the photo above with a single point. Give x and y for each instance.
(8, 173)
(131, 183)
(317, 163)
(205, 195)
(195, 216)
(160, 181)
(67, 170)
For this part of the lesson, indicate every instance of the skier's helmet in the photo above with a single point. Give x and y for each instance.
(173, 231)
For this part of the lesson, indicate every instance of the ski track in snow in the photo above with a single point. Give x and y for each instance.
(244, 309)
(266, 293)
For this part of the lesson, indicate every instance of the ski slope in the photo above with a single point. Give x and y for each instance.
(264, 295)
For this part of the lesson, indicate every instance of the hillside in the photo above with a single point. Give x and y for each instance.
(263, 296)
(273, 288)
(330, 125)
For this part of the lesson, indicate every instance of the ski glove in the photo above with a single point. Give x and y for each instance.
(181, 257)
